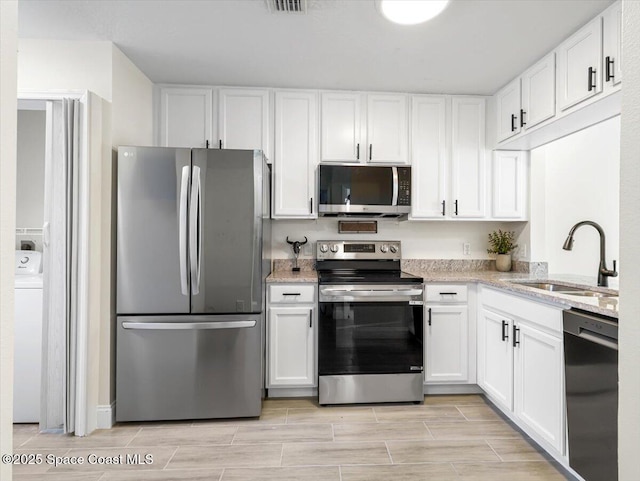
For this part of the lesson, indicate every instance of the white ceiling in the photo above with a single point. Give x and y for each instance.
(474, 47)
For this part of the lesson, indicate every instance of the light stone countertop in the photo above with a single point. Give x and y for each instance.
(509, 281)
(290, 276)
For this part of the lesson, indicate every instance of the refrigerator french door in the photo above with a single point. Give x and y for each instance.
(190, 283)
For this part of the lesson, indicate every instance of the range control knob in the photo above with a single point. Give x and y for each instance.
(393, 248)
(324, 247)
(335, 248)
(384, 248)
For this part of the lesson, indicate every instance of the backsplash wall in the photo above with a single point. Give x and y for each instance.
(420, 239)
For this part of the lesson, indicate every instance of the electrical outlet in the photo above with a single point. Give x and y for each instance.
(466, 249)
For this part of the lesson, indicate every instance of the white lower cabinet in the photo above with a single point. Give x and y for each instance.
(520, 364)
(447, 343)
(291, 340)
(538, 383)
(446, 350)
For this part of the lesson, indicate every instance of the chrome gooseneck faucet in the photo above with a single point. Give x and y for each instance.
(603, 272)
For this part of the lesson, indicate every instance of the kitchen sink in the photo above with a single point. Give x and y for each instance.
(551, 287)
(567, 290)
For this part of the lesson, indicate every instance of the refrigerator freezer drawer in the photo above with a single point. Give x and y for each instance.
(188, 367)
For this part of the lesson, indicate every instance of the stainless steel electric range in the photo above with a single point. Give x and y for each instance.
(370, 326)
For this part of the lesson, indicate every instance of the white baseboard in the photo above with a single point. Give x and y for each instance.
(452, 389)
(293, 392)
(105, 416)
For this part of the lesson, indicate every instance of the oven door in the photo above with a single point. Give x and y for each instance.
(370, 330)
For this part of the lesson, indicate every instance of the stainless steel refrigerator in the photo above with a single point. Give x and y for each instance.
(193, 235)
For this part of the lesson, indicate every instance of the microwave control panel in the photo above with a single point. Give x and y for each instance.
(404, 186)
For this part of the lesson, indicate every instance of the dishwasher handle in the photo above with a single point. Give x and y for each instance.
(601, 339)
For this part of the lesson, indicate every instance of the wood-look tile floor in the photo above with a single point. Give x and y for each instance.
(448, 438)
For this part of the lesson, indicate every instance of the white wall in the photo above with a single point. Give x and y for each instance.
(577, 178)
(30, 168)
(420, 239)
(132, 94)
(629, 354)
(65, 65)
(8, 127)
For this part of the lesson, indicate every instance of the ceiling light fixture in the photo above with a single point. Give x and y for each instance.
(411, 12)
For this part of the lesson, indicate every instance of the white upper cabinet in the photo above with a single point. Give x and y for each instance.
(579, 76)
(539, 92)
(468, 163)
(296, 154)
(429, 157)
(509, 112)
(387, 132)
(528, 100)
(186, 117)
(612, 45)
(364, 128)
(191, 117)
(243, 118)
(340, 127)
(510, 175)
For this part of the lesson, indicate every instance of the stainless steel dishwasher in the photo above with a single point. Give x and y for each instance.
(591, 378)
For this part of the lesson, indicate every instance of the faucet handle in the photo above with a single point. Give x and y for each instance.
(615, 272)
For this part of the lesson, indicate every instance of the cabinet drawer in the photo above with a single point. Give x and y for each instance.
(291, 293)
(446, 293)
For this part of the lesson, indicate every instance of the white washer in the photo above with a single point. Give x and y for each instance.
(27, 368)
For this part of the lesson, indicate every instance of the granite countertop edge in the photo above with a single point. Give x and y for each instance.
(508, 281)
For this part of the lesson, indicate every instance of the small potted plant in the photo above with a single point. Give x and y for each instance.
(502, 243)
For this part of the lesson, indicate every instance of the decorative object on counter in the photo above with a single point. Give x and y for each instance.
(357, 227)
(295, 245)
(502, 243)
(603, 272)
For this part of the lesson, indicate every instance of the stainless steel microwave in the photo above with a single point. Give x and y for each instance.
(364, 190)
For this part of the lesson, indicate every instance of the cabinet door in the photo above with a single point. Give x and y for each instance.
(387, 131)
(428, 157)
(340, 128)
(612, 42)
(243, 117)
(495, 357)
(510, 184)
(539, 384)
(446, 344)
(539, 92)
(291, 356)
(508, 105)
(296, 154)
(468, 164)
(579, 60)
(186, 117)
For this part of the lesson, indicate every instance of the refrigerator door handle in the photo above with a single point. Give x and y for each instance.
(182, 326)
(194, 230)
(182, 230)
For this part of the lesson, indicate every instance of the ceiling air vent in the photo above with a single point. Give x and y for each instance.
(287, 6)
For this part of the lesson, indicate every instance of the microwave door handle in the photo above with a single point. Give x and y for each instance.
(182, 230)
(394, 196)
